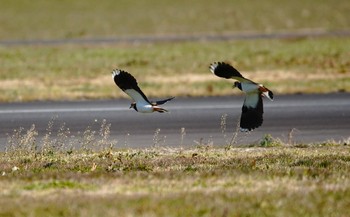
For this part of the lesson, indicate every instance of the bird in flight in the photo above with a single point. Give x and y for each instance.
(128, 84)
(252, 110)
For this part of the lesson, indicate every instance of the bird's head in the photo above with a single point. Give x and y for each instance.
(238, 85)
(133, 105)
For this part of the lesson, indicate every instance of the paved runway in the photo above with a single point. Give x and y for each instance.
(314, 117)
(179, 38)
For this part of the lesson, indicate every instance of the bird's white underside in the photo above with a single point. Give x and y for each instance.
(144, 108)
(252, 94)
(141, 104)
(249, 87)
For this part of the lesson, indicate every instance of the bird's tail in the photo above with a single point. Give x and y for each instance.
(266, 92)
(159, 109)
(161, 102)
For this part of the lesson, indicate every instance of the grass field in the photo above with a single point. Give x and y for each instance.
(91, 175)
(42, 19)
(71, 72)
(84, 72)
(269, 179)
(53, 177)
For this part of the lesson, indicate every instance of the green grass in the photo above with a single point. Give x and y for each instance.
(69, 72)
(86, 175)
(42, 19)
(288, 180)
(54, 184)
(83, 72)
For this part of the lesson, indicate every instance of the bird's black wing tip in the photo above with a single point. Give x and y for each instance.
(161, 102)
(251, 118)
(224, 70)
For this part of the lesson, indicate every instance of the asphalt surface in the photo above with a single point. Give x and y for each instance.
(179, 38)
(314, 118)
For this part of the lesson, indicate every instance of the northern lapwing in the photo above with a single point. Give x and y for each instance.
(252, 110)
(128, 84)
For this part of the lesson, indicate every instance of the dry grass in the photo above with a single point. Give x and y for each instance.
(88, 174)
(286, 181)
(79, 72)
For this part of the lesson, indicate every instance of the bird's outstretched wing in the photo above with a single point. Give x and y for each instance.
(128, 84)
(252, 112)
(225, 70)
(161, 102)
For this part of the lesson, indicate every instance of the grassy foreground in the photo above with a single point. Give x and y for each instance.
(269, 179)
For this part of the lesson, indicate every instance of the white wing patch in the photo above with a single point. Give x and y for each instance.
(249, 87)
(251, 100)
(213, 66)
(115, 72)
(266, 94)
(136, 97)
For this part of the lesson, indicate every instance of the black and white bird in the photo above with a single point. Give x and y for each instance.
(252, 110)
(128, 84)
